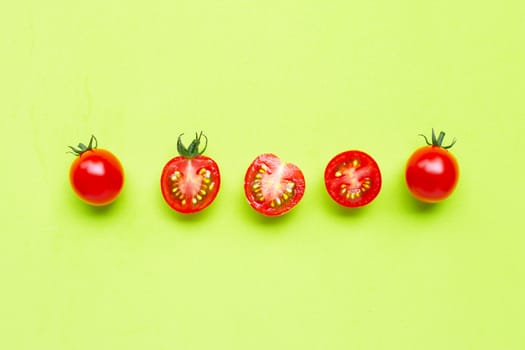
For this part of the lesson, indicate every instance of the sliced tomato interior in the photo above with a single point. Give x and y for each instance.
(273, 187)
(353, 178)
(190, 185)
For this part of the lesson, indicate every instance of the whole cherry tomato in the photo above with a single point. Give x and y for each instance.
(96, 175)
(432, 172)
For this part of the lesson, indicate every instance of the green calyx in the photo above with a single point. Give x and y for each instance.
(81, 148)
(192, 150)
(438, 141)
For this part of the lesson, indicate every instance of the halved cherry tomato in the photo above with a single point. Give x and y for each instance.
(190, 182)
(352, 178)
(272, 187)
(432, 172)
(96, 175)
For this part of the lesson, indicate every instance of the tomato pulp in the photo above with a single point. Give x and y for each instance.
(272, 187)
(352, 179)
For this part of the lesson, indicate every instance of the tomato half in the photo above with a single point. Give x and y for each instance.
(190, 182)
(432, 172)
(352, 178)
(96, 175)
(272, 187)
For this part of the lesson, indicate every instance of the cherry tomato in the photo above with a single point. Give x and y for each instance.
(190, 182)
(96, 175)
(272, 187)
(352, 178)
(432, 172)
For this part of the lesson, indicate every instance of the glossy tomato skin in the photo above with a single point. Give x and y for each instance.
(353, 179)
(97, 176)
(189, 185)
(272, 187)
(431, 174)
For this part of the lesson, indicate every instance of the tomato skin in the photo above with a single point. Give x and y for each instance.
(182, 178)
(431, 174)
(97, 177)
(353, 179)
(272, 187)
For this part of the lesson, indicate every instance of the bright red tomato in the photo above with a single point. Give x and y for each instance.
(190, 182)
(96, 175)
(272, 187)
(352, 179)
(432, 172)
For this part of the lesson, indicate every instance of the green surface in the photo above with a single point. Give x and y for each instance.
(303, 79)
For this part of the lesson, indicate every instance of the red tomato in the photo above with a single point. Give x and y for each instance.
(352, 179)
(432, 172)
(190, 182)
(272, 187)
(96, 175)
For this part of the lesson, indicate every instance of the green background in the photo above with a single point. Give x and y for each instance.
(300, 78)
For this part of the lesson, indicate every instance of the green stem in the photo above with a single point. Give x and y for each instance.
(438, 142)
(192, 150)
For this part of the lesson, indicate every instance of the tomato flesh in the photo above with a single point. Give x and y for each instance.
(97, 176)
(190, 184)
(272, 187)
(352, 178)
(431, 174)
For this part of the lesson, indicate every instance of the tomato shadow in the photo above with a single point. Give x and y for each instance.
(180, 217)
(337, 210)
(105, 211)
(419, 206)
(254, 217)
(189, 217)
(409, 202)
